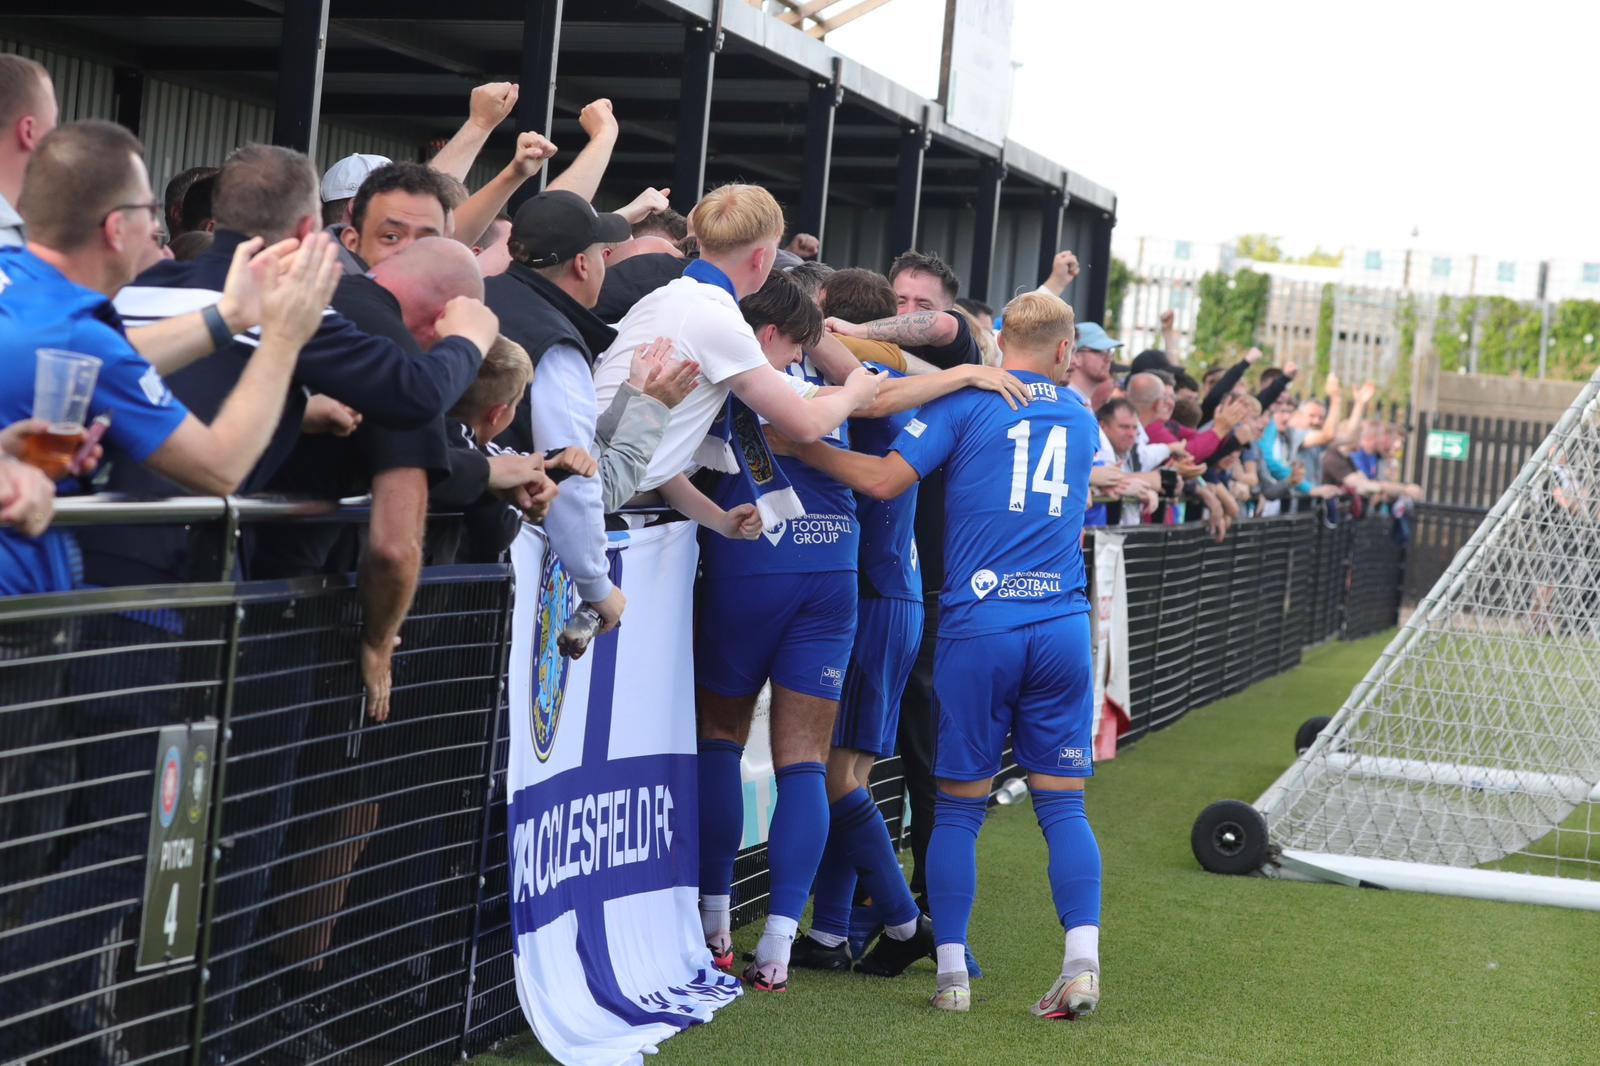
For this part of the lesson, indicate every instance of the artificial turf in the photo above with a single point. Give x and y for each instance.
(1200, 968)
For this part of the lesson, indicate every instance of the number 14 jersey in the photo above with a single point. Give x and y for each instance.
(1016, 483)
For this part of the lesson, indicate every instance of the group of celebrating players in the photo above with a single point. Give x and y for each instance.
(826, 603)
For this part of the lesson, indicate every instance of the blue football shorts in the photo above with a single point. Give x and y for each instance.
(888, 636)
(1035, 683)
(796, 629)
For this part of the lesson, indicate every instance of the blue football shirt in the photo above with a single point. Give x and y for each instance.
(889, 561)
(822, 540)
(41, 308)
(1016, 483)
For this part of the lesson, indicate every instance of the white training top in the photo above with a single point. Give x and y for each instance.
(705, 323)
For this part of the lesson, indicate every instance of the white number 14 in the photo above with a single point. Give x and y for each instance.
(1049, 476)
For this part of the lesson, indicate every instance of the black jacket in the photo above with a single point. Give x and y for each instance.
(632, 280)
(538, 315)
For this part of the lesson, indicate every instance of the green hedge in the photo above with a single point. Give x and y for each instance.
(1325, 334)
(1231, 310)
(1116, 291)
(1507, 333)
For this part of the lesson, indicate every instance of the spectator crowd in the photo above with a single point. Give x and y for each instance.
(382, 330)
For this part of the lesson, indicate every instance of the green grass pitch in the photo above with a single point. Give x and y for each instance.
(1200, 968)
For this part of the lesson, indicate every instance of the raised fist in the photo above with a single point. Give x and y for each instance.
(597, 120)
(532, 150)
(491, 104)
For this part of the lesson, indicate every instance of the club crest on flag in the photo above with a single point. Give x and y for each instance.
(556, 604)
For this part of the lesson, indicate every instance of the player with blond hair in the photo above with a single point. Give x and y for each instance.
(738, 227)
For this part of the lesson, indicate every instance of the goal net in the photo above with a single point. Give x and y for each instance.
(1468, 758)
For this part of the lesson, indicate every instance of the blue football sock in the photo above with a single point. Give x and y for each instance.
(873, 854)
(953, 864)
(858, 840)
(721, 814)
(1074, 857)
(798, 834)
(835, 889)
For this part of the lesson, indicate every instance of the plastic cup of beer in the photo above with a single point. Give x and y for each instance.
(62, 386)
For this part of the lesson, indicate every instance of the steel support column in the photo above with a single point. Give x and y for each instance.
(1093, 308)
(820, 108)
(701, 43)
(1052, 204)
(908, 188)
(298, 102)
(128, 92)
(991, 175)
(536, 95)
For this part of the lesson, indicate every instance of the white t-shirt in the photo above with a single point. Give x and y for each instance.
(705, 323)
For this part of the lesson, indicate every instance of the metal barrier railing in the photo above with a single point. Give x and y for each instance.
(1206, 620)
(348, 876)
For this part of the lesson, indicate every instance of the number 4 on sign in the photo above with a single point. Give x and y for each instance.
(1049, 476)
(169, 923)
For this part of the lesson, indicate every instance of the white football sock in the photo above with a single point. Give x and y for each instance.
(903, 931)
(776, 939)
(952, 959)
(1083, 950)
(827, 940)
(714, 915)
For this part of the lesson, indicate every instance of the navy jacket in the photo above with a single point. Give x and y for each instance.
(387, 384)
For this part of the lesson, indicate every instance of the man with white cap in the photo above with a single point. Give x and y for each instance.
(339, 187)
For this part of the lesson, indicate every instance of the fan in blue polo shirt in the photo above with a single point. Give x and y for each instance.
(1013, 654)
(40, 308)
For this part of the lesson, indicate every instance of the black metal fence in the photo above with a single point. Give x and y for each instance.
(353, 892)
(1495, 450)
(1206, 620)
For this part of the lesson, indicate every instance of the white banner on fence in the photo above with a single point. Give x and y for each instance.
(1113, 705)
(603, 816)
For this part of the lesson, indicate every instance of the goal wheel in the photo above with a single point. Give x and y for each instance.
(1230, 837)
(1306, 735)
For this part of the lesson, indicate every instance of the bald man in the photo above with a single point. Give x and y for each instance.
(1146, 392)
(423, 279)
(405, 299)
(408, 299)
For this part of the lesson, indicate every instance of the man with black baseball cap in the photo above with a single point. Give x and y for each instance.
(543, 299)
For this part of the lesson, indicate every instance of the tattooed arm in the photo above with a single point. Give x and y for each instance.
(918, 329)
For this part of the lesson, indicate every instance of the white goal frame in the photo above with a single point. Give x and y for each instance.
(1358, 806)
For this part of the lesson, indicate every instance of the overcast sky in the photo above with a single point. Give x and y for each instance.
(1473, 122)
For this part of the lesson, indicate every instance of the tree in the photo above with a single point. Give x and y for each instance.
(1261, 247)
(1116, 290)
(1231, 310)
(1318, 258)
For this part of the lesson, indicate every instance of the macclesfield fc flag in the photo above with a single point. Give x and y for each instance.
(603, 816)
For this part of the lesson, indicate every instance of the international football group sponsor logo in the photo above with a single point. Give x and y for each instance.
(984, 582)
(557, 601)
(1022, 585)
(810, 530)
